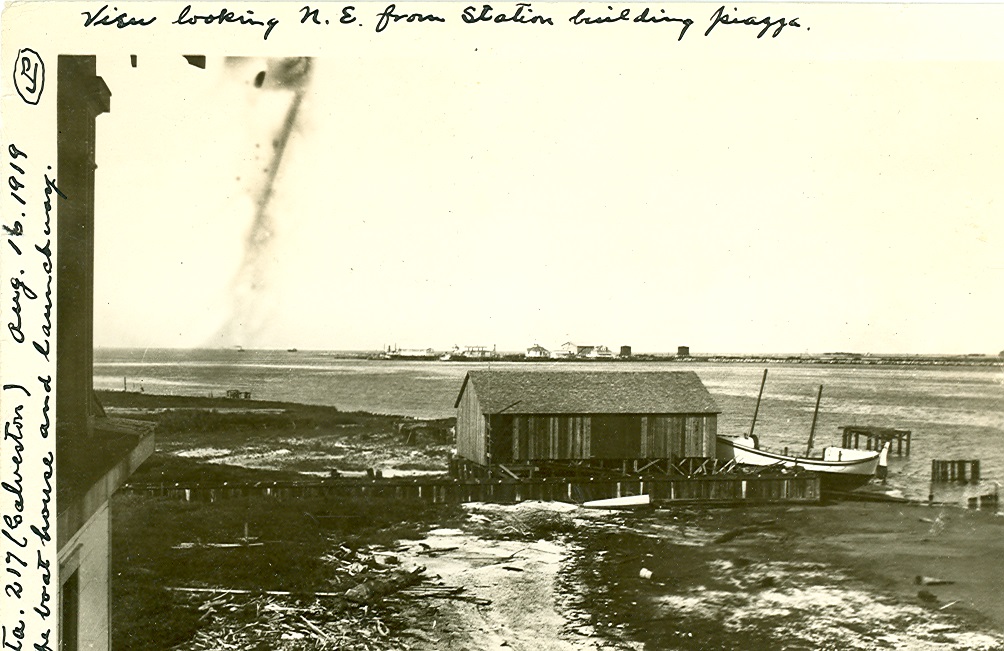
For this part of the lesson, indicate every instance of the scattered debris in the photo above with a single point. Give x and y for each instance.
(201, 545)
(370, 591)
(354, 614)
(930, 580)
(429, 551)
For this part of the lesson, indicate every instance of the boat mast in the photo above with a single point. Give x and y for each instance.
(759, 395)
(812, 431)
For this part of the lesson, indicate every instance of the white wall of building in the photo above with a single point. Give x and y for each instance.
(89, 554)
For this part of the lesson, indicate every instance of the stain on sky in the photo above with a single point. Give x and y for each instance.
(250, 312)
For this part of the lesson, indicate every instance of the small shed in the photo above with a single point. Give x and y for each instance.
(529, 416)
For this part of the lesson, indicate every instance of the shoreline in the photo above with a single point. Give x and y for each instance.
(840, 359)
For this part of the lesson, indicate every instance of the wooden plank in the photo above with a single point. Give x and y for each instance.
(711, 436)
(664, 437)
(516, 427)
(678, 437)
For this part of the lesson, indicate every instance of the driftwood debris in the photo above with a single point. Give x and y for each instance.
(436, 551)
(241, 622)
(353, 610)
(198, 545)
(375, 589)
(241, 591)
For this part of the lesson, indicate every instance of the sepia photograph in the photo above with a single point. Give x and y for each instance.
(535, 326)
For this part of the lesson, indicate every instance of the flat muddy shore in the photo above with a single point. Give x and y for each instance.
(843, 576)
(837, 576)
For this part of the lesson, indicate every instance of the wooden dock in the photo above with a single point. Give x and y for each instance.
(712, 489)
(876, 437)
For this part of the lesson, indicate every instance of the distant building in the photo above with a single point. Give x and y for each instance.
(594, 352)
(683, 351)
(507, 417)
(625, 351)
(567, 349)
(537, 351)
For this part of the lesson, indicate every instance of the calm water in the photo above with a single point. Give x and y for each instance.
(954, 412)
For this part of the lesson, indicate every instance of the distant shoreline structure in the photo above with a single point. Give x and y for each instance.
(432, 355)
(863, 360)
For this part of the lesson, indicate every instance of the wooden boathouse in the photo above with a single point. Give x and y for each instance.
(515, 423)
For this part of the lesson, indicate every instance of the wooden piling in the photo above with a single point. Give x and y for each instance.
(963, 471)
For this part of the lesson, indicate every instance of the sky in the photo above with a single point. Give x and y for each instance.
(512, 197)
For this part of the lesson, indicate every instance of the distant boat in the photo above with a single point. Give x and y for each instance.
(469, 353)
(838, 467)
(627, 502)
(411, 354)
(291, 350)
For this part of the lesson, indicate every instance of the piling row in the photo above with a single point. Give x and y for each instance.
(712, 489)
(945, 471)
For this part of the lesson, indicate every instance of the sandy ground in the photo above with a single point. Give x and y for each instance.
(515, 580)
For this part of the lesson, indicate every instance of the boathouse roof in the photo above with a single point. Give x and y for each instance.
(589, 392)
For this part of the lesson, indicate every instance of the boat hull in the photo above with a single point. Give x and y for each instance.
(840, 468)
(627, 502)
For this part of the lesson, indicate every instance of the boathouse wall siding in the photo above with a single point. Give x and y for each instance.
(471, 428)
(678, 435)
(603, 436)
